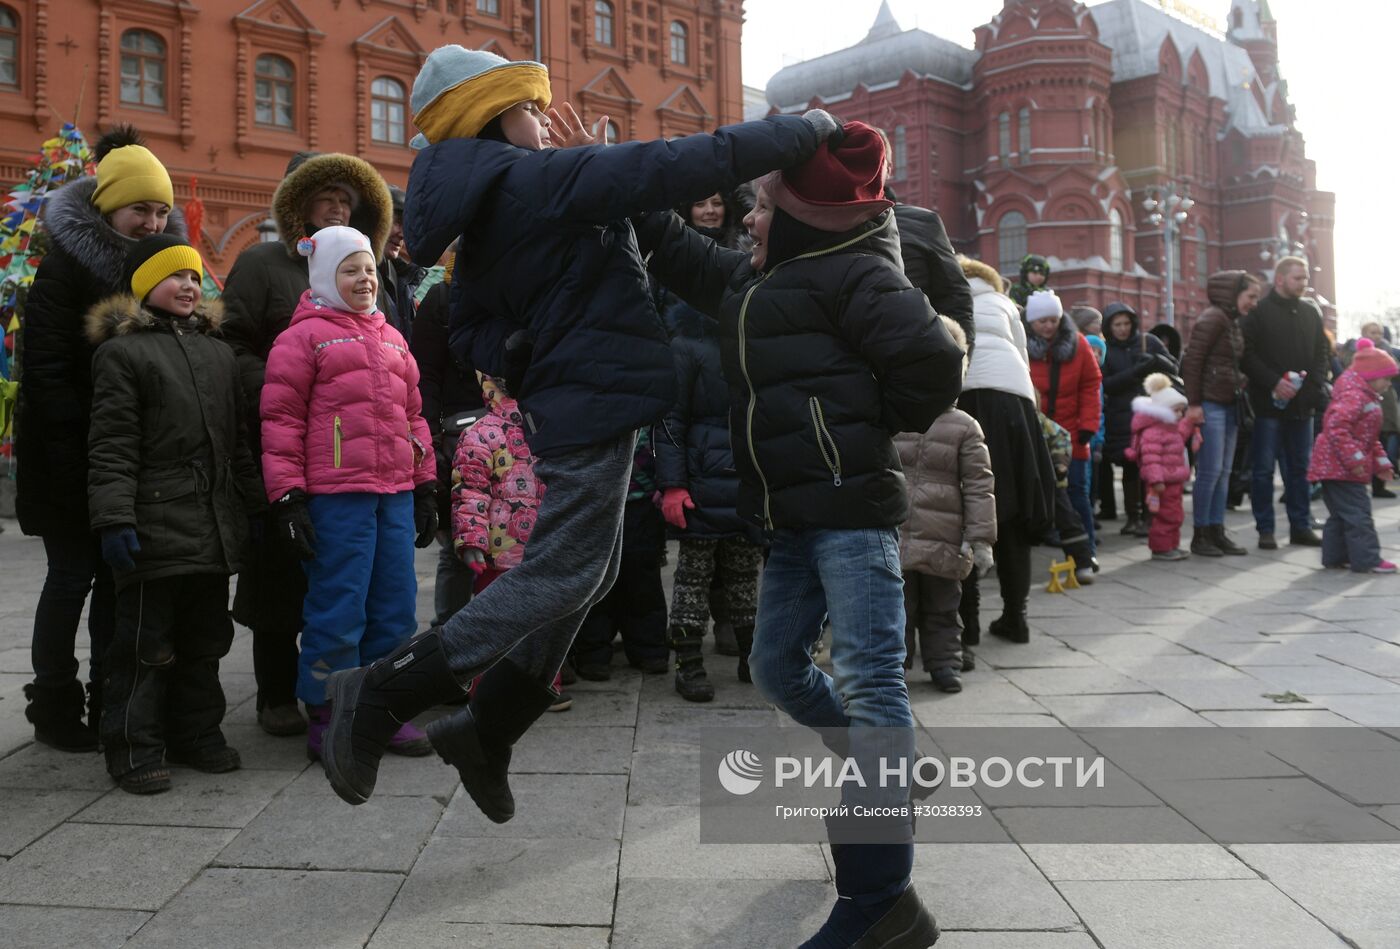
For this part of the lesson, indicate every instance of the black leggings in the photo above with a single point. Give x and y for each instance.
(1013, 556)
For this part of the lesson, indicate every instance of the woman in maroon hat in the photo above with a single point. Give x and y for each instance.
(828, 351)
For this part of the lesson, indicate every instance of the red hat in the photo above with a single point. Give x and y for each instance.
(838, 188)
(1372, 363)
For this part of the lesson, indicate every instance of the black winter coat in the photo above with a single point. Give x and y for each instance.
(827, 355)
(692, 447)
(547, 249)
(1125, 365)
(1280, 334)
(83, 267)
(932, 265)
(169, 449)
(448, 389)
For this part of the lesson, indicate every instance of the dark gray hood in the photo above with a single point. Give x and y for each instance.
(75, 224)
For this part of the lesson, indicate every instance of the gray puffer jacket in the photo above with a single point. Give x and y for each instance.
(951, 499)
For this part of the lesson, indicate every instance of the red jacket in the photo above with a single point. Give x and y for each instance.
(1159, 443)
(1074, 402)
(1350, 435)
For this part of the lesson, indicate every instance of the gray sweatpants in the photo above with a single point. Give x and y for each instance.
(531, 613)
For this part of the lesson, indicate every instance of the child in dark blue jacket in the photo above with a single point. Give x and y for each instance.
(549, 293)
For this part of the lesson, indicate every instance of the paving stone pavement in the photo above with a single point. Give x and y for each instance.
(605, 850)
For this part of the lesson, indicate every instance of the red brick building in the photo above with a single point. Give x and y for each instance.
(227, 90)
(1050, 134)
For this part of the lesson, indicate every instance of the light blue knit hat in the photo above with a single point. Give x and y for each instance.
(450, 67)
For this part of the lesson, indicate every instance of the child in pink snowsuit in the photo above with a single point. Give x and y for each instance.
(1160, 434)
(1348, 454)
(495, 494)
(349, 471)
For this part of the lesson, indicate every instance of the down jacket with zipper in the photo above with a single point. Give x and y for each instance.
(1158, 445)
(931, 265)
(1350, 437)
(1125, 364)
(1066, 374)
(548, 260)
(951, 496)
(827, 354)
(1210, 367)
(169, 453)
(82, 268)
(341, 411)
(999, 361)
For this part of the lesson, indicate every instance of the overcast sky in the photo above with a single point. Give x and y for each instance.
(1338, 56)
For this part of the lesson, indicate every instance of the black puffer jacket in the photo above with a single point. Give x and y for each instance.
(169, 447)
(83, 267)
(692, 448)
(827, 354)
(1281, 334)
(448, 388)
(547, 249)
(1126, 363)
(932, 265)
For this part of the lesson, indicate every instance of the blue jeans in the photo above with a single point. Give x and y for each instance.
(1286, 442)
(1349, 536)
(1218, 437)
(1079, 478)
(361, 588)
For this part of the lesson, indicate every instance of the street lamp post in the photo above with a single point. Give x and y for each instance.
(1167, 208)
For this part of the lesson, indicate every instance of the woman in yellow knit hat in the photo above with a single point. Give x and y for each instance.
(91, 224)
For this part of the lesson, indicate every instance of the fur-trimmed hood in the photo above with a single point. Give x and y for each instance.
(374, 215)
(1061, 347)
(123, 315)
(973, 269)
(75, 224)
(1150, 412)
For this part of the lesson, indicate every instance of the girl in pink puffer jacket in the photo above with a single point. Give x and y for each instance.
(1158, 446)
(348, 469)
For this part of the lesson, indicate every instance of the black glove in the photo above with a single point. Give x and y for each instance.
(1085, 437)
(425, 513)
(827, 128)
(294, 525)
(118, 544)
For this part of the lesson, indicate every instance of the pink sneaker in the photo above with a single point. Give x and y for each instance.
(411, 742)
(1385, 566)
(317, 718)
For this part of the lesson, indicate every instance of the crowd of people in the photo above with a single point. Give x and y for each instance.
(741, 341)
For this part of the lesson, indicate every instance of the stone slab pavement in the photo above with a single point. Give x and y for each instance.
(605, 850)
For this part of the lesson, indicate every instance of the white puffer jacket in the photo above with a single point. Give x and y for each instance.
(999, 360)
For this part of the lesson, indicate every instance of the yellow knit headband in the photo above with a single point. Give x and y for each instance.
(464, 110)
(161, 265)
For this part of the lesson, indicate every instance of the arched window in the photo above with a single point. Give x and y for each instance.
(143, 69)
(1115, 239)
(611, 134)
(603, 23)
(680, 43)
(489, 7)
(9, 48)
(386, 105)
(1004, 137)
(1202, 257)
(1025, 135)
(1011, 241)
(273, 92)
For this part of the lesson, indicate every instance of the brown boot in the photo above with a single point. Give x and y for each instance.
(1226, 545)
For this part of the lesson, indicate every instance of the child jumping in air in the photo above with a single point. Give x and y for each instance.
(349, 468)
(549, 294)
(1158, 447)
(1348, 454)
(171, 484)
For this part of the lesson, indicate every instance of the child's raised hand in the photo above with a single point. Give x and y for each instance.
(567, 130)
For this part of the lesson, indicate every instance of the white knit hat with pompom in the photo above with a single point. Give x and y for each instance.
(1159, 387)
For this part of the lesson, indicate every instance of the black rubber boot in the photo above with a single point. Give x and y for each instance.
(477, 739)
(691, 681)
(57, 717)
(744, 637)
(371, 703)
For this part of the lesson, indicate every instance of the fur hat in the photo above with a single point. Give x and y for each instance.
(325, 251)
(156, 257)
(1043, 304)
(459, 90)
(1371, 362)
(840, 187)
(129, 175)
(1159, 387)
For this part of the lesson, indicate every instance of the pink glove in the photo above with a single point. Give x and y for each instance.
(674, 503)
